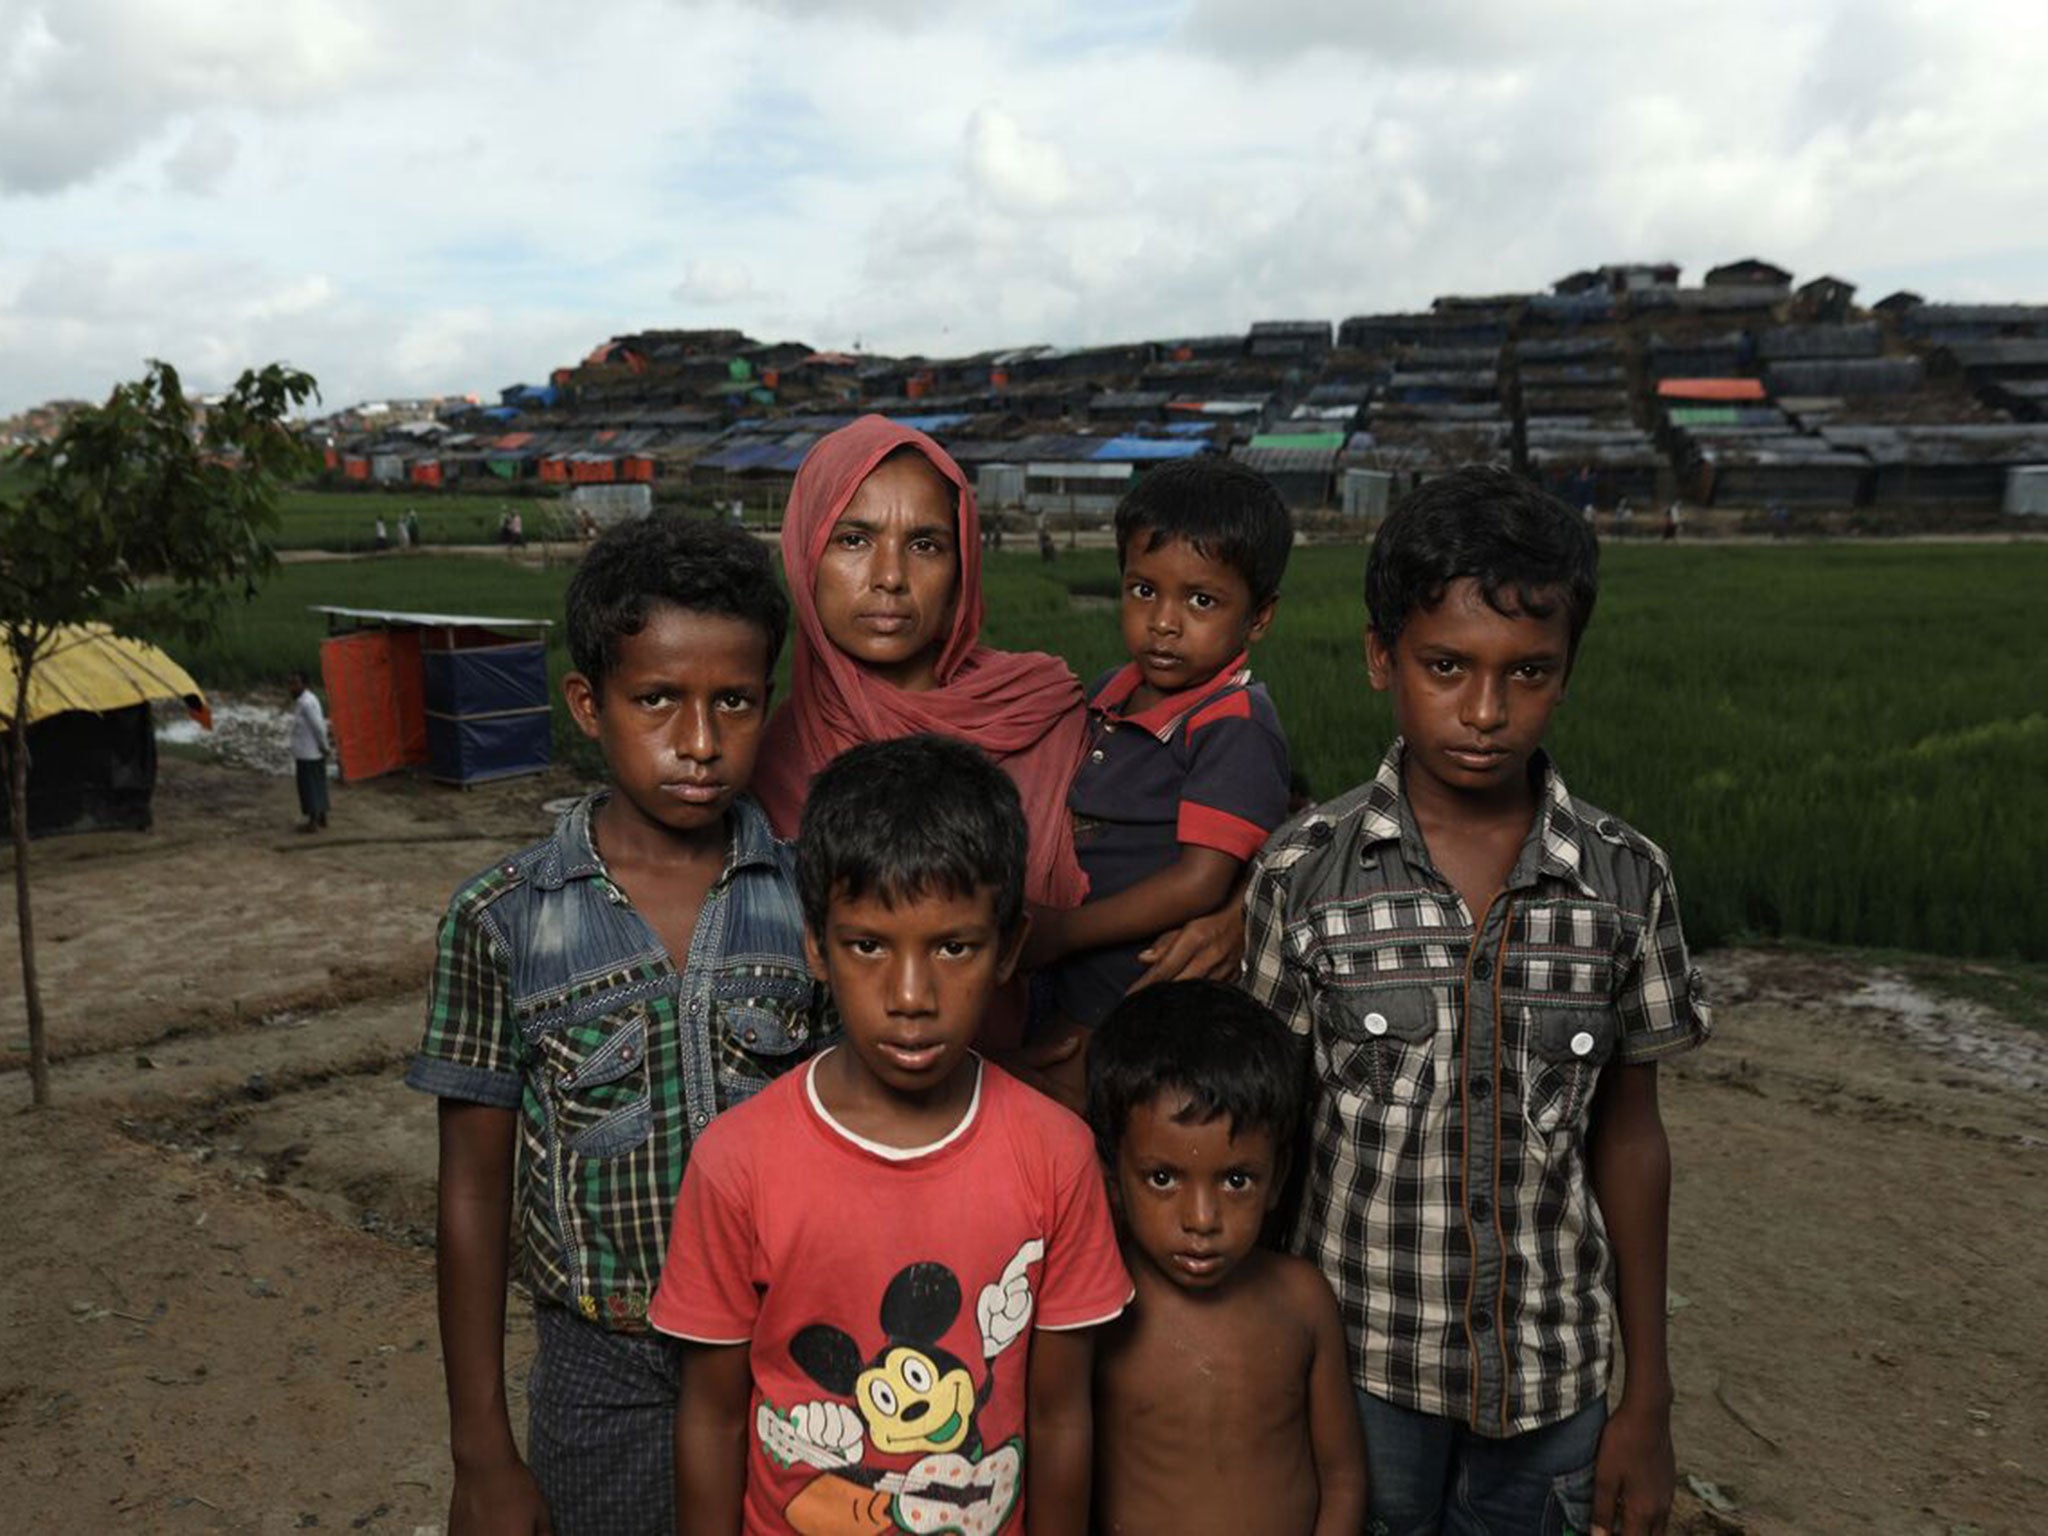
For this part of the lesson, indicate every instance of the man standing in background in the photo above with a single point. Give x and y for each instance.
(309, 753)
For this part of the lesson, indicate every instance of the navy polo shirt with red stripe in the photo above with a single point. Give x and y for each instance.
(1206, 766)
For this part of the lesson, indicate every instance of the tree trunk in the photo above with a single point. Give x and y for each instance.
(17, 800)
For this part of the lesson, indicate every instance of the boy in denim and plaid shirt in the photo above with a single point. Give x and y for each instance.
(598, 998)
(1488, 970)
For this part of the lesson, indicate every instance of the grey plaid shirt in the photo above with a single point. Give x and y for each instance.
(1446, 1196)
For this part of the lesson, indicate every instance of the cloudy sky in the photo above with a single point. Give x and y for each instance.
(411, 199)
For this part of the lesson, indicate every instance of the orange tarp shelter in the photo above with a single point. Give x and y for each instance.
(1727, 391)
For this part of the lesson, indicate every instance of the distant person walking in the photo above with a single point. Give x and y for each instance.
(1045, 547)
(1673, 519)
(310, 749)
(412, 529)
(380, 538)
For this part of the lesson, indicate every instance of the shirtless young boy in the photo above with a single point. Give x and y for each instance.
(1223, 1397)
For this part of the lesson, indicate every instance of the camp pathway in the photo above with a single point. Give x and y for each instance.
(218, 1297)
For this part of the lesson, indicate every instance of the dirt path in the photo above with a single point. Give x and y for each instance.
(219, 1310)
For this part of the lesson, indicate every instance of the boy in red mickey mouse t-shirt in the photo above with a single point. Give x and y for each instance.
(888, 1267)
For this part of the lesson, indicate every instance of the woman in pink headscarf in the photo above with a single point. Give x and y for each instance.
(881, 544)
(882, 547)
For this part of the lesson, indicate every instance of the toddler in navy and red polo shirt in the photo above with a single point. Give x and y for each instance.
(1186, 772)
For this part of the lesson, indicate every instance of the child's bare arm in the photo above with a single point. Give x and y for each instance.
(1333, 1428)
(711, 1439)
(1630, 1163)
(1059, 1432)
(1200, 880)
(494, 1490)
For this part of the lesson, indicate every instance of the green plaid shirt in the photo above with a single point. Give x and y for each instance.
(553, 996)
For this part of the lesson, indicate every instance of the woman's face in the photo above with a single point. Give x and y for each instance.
(890, 572)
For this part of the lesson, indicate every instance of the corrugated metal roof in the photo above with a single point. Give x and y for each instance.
(1948, 443)
(430, 620)
(1567, 349)
(1846, 376)
(1999, 352)
(1783, 453)
(1221, 407)
(1928, 317)
(1800, 341)
(1287, 461)
(1307, 441)
(1078, 469)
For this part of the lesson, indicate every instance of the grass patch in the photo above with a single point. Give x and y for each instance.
(1843, 743)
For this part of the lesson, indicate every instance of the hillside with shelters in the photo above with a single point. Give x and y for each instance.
(1619, 385)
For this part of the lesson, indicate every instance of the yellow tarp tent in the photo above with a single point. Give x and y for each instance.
(89, 667)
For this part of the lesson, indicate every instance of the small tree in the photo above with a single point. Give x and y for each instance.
(139, 509)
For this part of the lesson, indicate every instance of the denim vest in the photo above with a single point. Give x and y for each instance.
(552, 994)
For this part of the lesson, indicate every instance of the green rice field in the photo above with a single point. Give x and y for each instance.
(345, 521)
(1845, 743)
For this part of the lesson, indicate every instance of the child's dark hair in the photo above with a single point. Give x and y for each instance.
(694, 564)
(1528, 551)
(1229, 1054)
(1228, 512)
(903, 818)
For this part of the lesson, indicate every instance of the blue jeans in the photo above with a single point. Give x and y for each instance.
(1430, 1475)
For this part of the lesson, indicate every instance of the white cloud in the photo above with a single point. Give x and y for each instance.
(1015, 171)
(203, 160)
(714, 282)
(407, 198)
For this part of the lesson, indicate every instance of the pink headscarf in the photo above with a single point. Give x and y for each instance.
(1022, 708)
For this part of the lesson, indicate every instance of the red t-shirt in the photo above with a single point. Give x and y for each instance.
(886, 1298)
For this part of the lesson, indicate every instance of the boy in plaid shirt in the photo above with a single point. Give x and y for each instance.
(1489, 970)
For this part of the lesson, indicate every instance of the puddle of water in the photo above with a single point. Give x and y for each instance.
(1954, 1028)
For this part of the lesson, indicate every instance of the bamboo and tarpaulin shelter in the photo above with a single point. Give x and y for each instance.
(461, 695)
(91, 738)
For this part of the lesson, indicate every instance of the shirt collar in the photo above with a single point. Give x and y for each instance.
(575, 855)
(1555, 845)
(1165, 717)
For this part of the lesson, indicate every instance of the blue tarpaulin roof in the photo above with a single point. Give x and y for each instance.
(1141, 448)
(502, 412)
(937, 423)
(775, 455)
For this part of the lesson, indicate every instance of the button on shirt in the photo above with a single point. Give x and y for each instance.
(1206, 766)
(1455, 1057)
(553, 996)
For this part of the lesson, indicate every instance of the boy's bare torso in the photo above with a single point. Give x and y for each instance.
(1202, 1407)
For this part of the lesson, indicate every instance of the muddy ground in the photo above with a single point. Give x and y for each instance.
(216, 1298)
